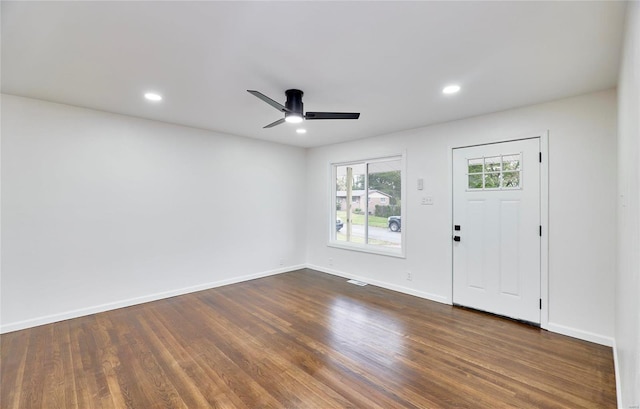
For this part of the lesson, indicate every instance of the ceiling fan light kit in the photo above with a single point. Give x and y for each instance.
(294, 109)
(293, 118)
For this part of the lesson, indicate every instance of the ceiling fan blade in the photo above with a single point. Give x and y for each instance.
(269, 101)
(272, 124)
(332, 115)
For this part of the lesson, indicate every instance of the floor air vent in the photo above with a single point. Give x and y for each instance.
(356, 282)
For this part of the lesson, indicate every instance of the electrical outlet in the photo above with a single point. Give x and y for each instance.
(282, 262)
(409, 277)
(330, 261)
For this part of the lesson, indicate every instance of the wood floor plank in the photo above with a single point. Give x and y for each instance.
(12, 368)
(33, 385)
(81, 378)
(300, 340)
(54, 388)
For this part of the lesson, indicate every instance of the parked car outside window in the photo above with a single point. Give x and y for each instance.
(395, 223)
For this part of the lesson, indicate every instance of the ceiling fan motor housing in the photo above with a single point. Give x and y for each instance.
(294, 102)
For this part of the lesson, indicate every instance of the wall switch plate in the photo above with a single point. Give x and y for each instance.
(427, 200)
(420, 184)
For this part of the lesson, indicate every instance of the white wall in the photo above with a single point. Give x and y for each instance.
(582, 209)
(102, 210)
(628, 275)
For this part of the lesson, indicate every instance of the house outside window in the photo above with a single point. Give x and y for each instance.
(365, 194)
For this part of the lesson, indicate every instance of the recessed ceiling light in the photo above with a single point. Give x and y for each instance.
(451, 89)
(153, 96)
(301, 130)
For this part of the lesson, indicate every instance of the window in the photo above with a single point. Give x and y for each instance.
(366, 195)
(495, 172)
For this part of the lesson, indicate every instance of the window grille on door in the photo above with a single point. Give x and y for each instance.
(502, 172)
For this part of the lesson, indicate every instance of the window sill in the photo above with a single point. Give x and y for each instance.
(367, 249)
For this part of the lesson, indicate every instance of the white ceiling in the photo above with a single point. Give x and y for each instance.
(387, 60)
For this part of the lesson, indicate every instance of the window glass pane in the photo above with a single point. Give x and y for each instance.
(384, 166)
(347, 217)
(341, 202)
(385, 192)
(370, 216)
(495, 172)
(475, 181)
(475, 165)
(511, 162)
(492, 181)
(511, 180)
(492, 164)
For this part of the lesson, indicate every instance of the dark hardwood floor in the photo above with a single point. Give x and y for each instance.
(300, 340)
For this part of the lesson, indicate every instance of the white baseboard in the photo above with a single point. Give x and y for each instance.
(580, 334)
(81, 312)
(389, 286)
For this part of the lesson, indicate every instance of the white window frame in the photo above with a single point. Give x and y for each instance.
(363, 247)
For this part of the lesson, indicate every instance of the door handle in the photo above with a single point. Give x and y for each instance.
(456, 238)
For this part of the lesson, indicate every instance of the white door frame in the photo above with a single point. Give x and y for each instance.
(544, 215)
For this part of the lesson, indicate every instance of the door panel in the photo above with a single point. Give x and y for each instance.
(476, 249)
(496, 203)
(509, 248)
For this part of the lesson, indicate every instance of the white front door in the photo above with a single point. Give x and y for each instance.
(496, 231)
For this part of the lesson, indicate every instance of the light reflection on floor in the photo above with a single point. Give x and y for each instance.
(357, 329)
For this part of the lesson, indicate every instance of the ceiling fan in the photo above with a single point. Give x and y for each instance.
(293, 112)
